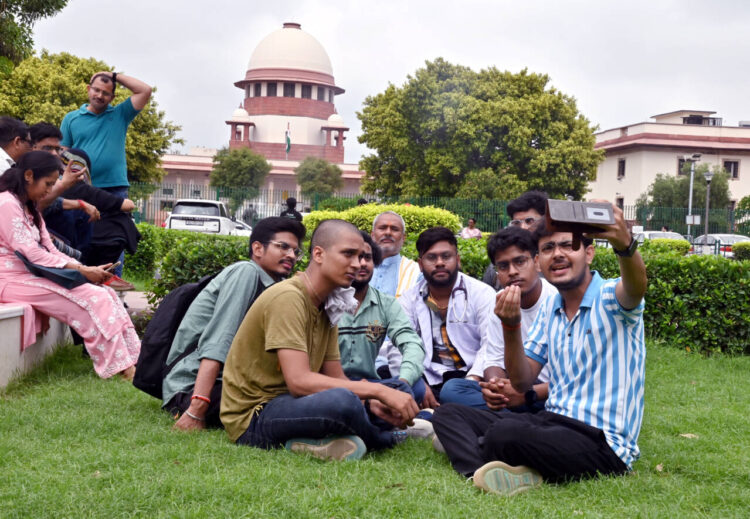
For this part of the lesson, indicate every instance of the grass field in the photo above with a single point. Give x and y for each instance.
(72, 445)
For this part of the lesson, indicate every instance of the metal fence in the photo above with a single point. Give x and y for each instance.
(154, 202)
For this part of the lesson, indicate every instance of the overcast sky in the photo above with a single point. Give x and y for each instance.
(622, 61)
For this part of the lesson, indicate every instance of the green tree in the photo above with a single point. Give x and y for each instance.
(17, 18)
(674, 191)
(46, 87)
(241, 171)
(488, 134)
(318, 176)
(744, 203)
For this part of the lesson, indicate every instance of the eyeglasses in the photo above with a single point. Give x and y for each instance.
(528, 221)
(432, 257)
(100, 92)
(549, 247)
(286, 248)
(518, 262)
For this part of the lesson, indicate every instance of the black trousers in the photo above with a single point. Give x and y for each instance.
(181, 401)
(558, 447)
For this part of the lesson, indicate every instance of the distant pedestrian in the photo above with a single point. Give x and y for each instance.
(471, 230)
(290, 211)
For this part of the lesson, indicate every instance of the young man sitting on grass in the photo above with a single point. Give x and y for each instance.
(192, 388)
(591, 337)
(283, 381)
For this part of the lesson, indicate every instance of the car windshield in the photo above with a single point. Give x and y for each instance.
(198, 209)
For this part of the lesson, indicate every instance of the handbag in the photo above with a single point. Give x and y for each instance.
(66, 278)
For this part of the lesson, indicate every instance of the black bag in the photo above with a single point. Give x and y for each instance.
(66, 278)
(152, 367)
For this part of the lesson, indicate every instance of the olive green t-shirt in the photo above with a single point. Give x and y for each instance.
(282, 317)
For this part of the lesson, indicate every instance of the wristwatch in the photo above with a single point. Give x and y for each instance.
(531, 397)
(629, 251)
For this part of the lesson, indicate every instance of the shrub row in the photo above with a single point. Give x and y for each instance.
(741, 250)
(417, 219)
(697, 303)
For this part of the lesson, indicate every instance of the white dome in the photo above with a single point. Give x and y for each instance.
(239, 113)
(336, 120)
(290, 48)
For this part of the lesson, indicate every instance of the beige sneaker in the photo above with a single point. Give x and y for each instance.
(340, 448)
(500, 478)
(437, 445)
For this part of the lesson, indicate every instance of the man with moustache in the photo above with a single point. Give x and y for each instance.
(449, 310)
(283, 380)
(591, 337)
(192, 388)
(513, 252)
(378, 315)
(396, 274)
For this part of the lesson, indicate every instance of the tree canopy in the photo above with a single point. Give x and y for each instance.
(17, 19)
(450, 131)
(318, 176)
(241, 171)
(673, 191)
(47, 87)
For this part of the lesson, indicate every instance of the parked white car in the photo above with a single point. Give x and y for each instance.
(653, 235)
(207, 216)
(242, 229)
(717, 244)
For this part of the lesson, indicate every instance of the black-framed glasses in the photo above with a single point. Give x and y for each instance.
(519, 262)
(549, 247)
(286, 248)
(432, 257)
(528, 221)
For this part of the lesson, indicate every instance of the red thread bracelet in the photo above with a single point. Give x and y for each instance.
(201, 397)
(80, 203)
(510, 328)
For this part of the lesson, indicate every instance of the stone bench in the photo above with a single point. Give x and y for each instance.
(15, 330)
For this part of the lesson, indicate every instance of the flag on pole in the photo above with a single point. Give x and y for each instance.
(288, 139)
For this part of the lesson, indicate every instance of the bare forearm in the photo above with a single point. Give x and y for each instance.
(134, 85)
(315, 382)
(208, 371)
(633, 283)
(516, 364)
(494, 372)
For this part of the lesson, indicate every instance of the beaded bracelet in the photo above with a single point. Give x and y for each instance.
(201, 397)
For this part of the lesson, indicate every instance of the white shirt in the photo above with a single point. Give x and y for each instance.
(494, 352)
(5, 161)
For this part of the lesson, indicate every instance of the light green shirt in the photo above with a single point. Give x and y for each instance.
(211, 323)
(362, 334)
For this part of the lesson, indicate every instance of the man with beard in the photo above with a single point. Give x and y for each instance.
(283, 380)
(192, 388)
(378, 315)
(396, 274)
(591, 338)
(513, 253)
(449, 310)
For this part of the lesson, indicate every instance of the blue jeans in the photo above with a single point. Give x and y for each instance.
(335, 411)
(122, 192)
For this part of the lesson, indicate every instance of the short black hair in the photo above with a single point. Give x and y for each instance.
(541, 231)
(377, 254)
(512, 236)
(265, 229)
(536, 200)
(106, 80)
(10, 128)
(41, 131)
(291, 202)
(433, 235)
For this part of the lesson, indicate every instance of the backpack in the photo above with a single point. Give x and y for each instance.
(152, 367)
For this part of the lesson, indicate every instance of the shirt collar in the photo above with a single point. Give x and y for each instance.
(4, 156)
(391, 260)
(588, 297)
(265, 278)
(85, 110)
(368, 300)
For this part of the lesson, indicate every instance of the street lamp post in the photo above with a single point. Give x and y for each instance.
(692, 159)
(709, 175)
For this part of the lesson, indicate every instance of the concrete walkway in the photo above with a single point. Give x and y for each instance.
(137, 302)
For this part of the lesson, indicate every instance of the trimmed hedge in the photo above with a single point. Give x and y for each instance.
(665, 246)
(741, 250)
(417, 219)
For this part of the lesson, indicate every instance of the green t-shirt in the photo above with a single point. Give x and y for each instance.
(283, 317)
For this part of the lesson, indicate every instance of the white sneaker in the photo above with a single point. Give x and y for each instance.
(500, 478)
(421, 429)
(437, 445)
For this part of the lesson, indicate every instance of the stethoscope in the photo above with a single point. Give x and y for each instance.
(452, 308)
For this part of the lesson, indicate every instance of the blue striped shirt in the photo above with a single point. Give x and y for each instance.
(596, 363)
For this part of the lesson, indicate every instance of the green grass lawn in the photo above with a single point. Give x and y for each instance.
(72, 445)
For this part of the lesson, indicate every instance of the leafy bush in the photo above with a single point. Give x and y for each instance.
(741, 250)
(665, 246)
(154, 244)
(417, 219)
(194, 255)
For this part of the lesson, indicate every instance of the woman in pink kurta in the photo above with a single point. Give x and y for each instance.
(93, 311)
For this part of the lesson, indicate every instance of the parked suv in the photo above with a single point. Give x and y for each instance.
(208, 216)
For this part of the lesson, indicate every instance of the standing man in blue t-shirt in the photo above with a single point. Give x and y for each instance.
(99, 129)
